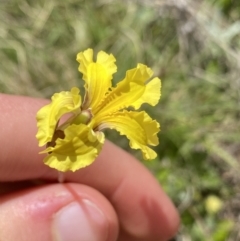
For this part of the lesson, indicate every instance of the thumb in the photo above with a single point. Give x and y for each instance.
(57, 212)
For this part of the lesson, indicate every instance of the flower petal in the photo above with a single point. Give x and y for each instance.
(49, 115)
(97, 76)
(139, 128)
(132, 91)
(78, 149)
(151, 95)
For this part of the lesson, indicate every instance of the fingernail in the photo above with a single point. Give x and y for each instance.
(80, 221)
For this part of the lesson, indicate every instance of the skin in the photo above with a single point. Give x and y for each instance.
(134, 205)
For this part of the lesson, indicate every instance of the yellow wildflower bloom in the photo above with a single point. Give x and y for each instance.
(76, 141)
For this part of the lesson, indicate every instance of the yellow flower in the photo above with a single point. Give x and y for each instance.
(72, 129)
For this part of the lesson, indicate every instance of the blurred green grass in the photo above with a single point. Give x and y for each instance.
(193, 46)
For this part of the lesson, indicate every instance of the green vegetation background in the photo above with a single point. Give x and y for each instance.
(193, 46)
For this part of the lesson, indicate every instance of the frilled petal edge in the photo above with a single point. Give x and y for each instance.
(49, 115)
(133, 90)
(78, 149)
(97, 76)
(138, 127)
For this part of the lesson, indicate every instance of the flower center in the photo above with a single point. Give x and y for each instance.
(84, 117)
(57, 134)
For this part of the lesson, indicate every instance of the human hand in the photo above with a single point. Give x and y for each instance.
(116, 198)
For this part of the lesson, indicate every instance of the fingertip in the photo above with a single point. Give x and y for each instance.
(57, 212)
(148, 213)
(173, 222)
(163, 218)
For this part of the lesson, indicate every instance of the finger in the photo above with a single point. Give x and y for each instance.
(19, 157)
(59, 212)
(143, 208)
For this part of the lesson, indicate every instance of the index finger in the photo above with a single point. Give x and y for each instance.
(143, 208)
